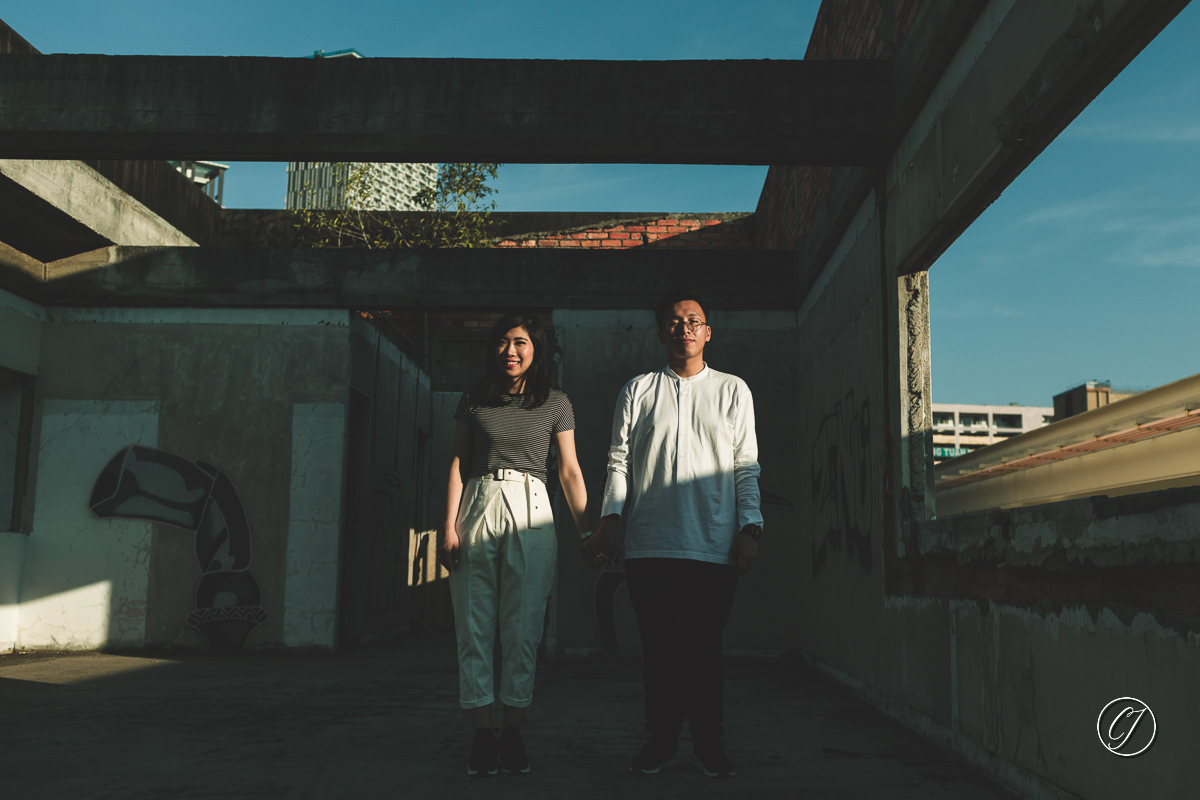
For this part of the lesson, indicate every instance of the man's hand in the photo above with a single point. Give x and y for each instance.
(598, 548)
(745, 550)
(448, 550)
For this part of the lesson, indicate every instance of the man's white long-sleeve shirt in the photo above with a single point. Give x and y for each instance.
(683, 465)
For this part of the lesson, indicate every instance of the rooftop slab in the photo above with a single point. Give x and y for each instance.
(384, 722)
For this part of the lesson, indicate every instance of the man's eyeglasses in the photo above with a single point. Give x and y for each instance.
(690, 325)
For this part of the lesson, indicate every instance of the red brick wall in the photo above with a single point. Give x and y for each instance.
(664, 232)
(849, 29)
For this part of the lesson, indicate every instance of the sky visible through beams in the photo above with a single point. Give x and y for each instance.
(1086, 268)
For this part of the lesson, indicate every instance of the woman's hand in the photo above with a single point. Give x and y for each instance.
(448, 549)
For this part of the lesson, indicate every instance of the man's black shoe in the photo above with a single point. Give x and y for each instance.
(712, 756)
(483, 754)
(653, 755)
(513, 758)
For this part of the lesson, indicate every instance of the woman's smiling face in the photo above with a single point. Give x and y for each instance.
(514, 354)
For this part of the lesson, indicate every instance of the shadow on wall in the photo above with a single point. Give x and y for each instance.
(843, 484)
(144, 483)
(429, 591)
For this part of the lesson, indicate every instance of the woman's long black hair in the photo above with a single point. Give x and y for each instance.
(493, 389)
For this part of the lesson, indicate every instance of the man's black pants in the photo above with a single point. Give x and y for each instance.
(682, 606)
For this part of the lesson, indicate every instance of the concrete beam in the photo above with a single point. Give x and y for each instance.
(404, 109)
(395, 279)
(1025, 70)
(51, 210)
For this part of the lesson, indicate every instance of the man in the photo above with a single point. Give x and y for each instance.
(683, 472)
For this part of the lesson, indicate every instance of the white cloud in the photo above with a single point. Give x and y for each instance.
(1085, 208)
(1142, 132)
(1186, 255)
(974, 310)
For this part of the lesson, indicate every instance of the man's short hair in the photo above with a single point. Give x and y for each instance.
(664, 306)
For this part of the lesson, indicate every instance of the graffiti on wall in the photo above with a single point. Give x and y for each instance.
(148, 484)
(843, 484)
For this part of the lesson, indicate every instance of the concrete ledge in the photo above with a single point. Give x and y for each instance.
(51, 210)
(1156, 528)
(372, 279)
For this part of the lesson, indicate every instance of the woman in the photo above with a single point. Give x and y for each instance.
(498, 538)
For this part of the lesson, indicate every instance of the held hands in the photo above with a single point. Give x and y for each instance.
(745, 550)
(598, 548)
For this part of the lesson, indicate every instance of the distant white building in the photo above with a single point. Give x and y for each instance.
(960, 428)
(321, 184)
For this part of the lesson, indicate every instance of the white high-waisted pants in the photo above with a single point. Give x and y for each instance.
(506, 566)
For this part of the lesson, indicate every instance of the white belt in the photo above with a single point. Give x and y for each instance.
(536, 502)
(506, 475)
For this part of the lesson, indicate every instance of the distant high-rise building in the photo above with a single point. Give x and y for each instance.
(321, 184)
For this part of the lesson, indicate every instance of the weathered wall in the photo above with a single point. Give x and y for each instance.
(1009, 659)
(257, 394)
(314, 524)
(390, 422)
(20, 322)
(85, 582)
(1035, 643)
(12, 561)
(20, 346)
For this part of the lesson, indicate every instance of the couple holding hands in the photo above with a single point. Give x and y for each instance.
(682, 472)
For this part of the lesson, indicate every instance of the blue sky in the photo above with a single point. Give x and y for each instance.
(1086, 268)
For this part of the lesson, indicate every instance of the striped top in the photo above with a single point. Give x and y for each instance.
(514, 436)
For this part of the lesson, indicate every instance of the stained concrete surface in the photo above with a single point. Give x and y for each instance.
(383, 722)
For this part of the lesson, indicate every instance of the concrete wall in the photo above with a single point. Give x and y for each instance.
(85, 582)
(314, 524)
(1036, 652)
(1009, 660)
(387, 485)
(601, 351)
(258, 394)
(20, 345)
(12, 561)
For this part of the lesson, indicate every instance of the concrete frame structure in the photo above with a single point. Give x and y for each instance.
(983, 632)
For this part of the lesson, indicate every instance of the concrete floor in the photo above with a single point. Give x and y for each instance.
(383, 722)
